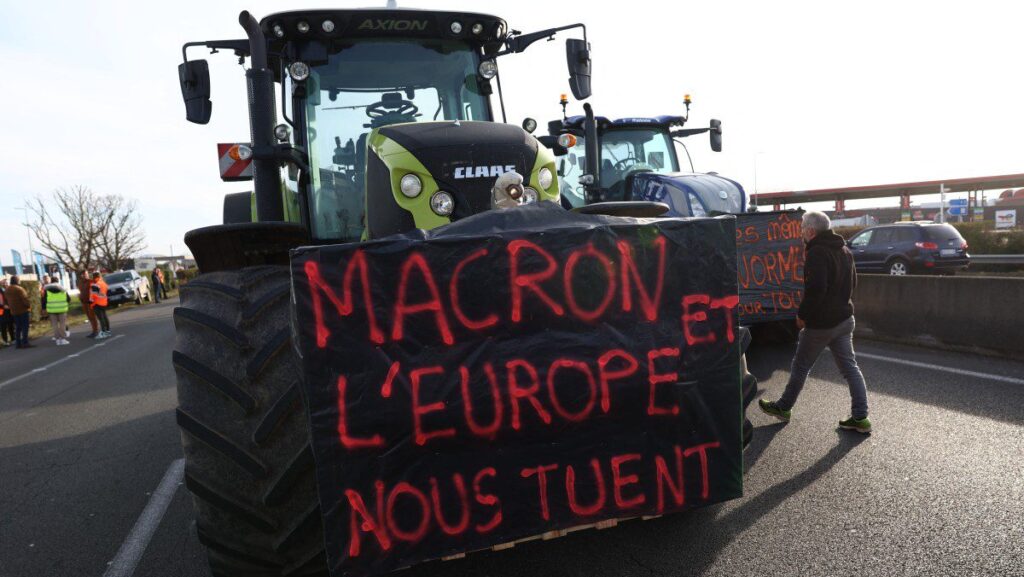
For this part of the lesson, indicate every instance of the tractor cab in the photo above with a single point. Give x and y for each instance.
(347, 86)
(637, 160)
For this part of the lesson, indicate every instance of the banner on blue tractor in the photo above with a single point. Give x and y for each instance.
(770, 265)
(517, 372)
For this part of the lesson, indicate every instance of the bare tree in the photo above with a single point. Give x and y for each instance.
(123, 238)
(83, 229)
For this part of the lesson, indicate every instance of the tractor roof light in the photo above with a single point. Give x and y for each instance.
(477, 29)
(488, 69)
(299, 71)
(545, 178)
(411, 185)
(278, 30)
(566, 141)
(282, 132)
(302, 26)
(530, 195)
(442, 203)
(328, 26)
(456, 27)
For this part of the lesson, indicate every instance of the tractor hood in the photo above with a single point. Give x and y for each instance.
(465, 158)
(690, 194)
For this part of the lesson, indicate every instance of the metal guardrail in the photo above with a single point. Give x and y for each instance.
(997, 259)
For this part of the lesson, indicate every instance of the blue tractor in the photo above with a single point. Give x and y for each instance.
(637, 160)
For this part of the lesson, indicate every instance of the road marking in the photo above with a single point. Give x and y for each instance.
(943, 368)
(130, 553)
(57, 362)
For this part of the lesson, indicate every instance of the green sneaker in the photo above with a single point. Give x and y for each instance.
(770, 408)
(859, 425)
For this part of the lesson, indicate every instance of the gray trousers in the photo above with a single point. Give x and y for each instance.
(839, 339)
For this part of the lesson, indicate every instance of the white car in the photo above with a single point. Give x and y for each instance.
(127, 286)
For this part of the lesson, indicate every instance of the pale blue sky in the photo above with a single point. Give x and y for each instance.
(819, 93)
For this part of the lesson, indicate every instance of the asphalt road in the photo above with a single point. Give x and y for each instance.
(938, 489)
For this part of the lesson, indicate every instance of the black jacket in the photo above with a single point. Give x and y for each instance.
(829, 280)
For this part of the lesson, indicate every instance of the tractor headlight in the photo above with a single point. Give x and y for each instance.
(456, 27)
(488, 69)
(278, 31)
(411, 185)
(302, 26)
(328, 26)
(544, 178)
(442, 203)
(478, 28)
(530, 195)
(299, 71)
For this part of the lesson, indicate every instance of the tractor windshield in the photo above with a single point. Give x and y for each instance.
(373, 83)
(623, 152)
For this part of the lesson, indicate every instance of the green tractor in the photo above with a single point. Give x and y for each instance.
(388, 126)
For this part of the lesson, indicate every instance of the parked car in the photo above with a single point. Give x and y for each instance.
(127, 286)
(909, 248)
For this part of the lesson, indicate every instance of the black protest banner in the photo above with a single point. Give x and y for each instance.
(514, 373)
(770, 261)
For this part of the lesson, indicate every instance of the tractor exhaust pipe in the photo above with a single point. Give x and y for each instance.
(260, 82)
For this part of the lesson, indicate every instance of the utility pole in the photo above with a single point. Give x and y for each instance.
(942, 203)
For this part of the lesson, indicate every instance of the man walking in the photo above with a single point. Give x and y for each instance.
(98, 301)
(17, 298)
(826, 320)
(56, 302)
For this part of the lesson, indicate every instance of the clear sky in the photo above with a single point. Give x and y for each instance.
(812, 94)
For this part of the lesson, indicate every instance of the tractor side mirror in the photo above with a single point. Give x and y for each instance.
(716, 135)
(577, 56)
(194, 77)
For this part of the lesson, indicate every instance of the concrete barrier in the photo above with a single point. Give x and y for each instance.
(982, 314)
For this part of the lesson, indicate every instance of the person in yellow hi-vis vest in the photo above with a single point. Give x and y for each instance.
(98, 300)
(56, 302)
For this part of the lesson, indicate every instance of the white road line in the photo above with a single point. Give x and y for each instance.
(57, 362)
(130, 553)
(943, 368)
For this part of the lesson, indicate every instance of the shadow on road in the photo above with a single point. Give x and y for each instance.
(960, 393)
(763, 436)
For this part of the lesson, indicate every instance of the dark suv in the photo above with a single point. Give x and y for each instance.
(912, 247)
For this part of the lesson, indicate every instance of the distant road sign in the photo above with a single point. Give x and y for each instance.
(958, 211)
(958, 202)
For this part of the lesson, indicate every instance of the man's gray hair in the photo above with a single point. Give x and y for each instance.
(817, 221)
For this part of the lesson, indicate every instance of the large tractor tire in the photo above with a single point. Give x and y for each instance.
(248, 462)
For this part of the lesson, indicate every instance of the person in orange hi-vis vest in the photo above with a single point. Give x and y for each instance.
(98, 301)
(84, 295)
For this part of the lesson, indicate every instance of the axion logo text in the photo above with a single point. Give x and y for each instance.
(482, 171)
(393, 25)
